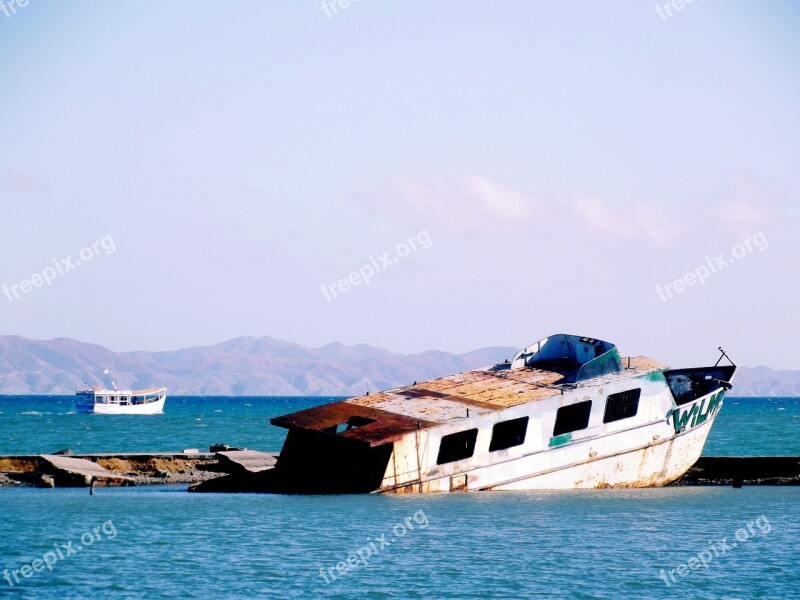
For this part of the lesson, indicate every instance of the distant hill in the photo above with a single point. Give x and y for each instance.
(239, 367)
(763, 381)
(264, 366)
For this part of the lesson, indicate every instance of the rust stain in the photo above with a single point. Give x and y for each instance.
(458, 483)
(384, 426)
(422, 406)
(459, 400)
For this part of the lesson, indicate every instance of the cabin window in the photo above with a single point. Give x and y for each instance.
(622, 405)
(457, 446)
(572, 418)
(508, 434)
(351, 423)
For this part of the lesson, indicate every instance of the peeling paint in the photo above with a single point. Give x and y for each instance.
(649, 443)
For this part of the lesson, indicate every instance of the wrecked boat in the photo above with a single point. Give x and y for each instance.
(566, 412)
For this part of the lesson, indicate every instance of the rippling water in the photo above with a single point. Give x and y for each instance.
(40, 424)
(37, 424)
(587, 544)
(161, 541)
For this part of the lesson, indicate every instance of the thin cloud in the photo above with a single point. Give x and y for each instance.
(17, 181)
(478, 203)
(470, 203)
(742, 213)
(640, 221)
(745, 210)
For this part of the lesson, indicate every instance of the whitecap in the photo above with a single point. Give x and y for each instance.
(30, 412)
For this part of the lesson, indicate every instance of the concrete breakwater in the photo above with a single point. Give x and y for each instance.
(743, 470)
(243, 470)
(109, 469)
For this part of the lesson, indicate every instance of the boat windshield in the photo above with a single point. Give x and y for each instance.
(576, 358)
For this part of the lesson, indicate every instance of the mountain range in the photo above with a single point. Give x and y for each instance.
(265, 366)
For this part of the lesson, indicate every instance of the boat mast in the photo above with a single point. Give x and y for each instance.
(113, 376)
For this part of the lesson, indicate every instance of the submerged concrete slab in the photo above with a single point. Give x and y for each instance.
(743, 470)
(78, 472)
(251, 461)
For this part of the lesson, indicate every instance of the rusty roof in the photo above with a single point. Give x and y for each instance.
(395, 412)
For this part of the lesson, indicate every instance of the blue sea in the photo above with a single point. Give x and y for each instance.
(162, 542)
(46, 424)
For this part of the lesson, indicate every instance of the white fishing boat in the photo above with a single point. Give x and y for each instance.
(121, 402)
(566, 412)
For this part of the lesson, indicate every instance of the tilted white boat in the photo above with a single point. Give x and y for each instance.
(567, 412)
(121, 402)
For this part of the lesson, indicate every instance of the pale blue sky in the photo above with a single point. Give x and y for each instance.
(565, 158)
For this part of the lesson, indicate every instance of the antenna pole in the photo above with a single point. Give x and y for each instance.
(723, 354)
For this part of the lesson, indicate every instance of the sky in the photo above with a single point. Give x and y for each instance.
(411, 175)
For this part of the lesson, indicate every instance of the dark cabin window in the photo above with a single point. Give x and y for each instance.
(573, 417)
(508, 434)
(457, 446)
(622, 405)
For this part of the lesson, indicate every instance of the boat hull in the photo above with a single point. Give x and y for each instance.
(91, 404)
(658, 464)
(566, 413)
(151, 408)
(652, 455)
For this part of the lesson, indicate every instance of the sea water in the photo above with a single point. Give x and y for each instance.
(160, 541)
(46, 424)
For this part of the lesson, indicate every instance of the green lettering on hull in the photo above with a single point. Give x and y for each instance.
(695, 414)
